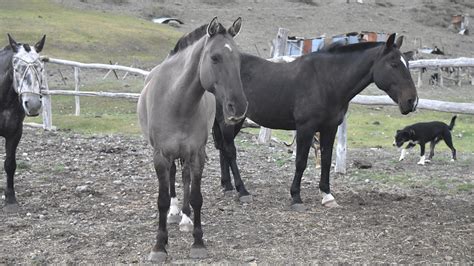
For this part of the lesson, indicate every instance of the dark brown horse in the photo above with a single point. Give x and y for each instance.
(176, 111)
(312, 94)
(21, 80)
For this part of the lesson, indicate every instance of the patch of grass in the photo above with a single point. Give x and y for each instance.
(468, 187)
(86, 36)
(376, 127)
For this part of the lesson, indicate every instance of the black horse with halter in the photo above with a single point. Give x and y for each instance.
(21, 81)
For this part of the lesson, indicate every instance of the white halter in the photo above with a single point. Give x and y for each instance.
(30, 65)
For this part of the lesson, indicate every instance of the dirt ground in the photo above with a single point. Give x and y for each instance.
(92, 199)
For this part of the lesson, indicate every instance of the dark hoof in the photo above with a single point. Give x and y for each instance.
(11, 208)
(299, 207)
(246, 199)
(229, 193)
(157, 256)
(198, 253)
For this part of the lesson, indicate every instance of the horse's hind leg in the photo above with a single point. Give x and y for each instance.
(186, 224)
(11, 144)
(198, 249)
(174, 214)
(303, 144)
(162, 168)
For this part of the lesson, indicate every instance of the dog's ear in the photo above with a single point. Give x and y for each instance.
(412, 132)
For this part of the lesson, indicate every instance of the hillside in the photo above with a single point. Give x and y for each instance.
(86, 35)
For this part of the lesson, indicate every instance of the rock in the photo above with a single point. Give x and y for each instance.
(362, 164)
(249, 259)
(82, 189)
(117, 182)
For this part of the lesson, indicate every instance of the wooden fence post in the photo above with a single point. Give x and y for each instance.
(47, 115)
(420, 78)
(279, 49)
(341, 149)
(77, 81)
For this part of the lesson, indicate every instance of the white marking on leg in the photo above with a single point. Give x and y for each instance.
(402, 155)
(228, 47)
(422, 160)
(403, 61)
(174, 214)
(329, 201)
(186, 224)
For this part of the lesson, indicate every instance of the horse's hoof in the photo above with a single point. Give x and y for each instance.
(198, 253)
(157, 256)
(186, 225)
(246, 199)
(11, 208)
(331, 204)
(298, 207)
(228, 193)
(329, 201)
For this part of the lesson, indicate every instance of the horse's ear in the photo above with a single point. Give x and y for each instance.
(212, 27)
(235, 28)
(13, 43)
(399, 41)
(390, 41)
(409, 55)
(39, 45)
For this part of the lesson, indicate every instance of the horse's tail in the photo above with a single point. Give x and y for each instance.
(451, 125)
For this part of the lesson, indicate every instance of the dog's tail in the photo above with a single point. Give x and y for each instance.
(451, 125)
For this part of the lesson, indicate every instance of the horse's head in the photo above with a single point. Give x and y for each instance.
(28, 74)
(220, 70)
(391, 74)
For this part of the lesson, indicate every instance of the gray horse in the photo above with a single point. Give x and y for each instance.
(176, 112)
(21, 80)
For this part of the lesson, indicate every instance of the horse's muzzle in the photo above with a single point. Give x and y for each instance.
(232, 120)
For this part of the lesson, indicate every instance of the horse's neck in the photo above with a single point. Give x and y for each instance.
(190, 62)
(354, 81)
(8, 96)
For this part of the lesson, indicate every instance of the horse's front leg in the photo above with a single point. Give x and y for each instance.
(162, 168)
(198, 249)
(230, 154)
(11, 144)
(218, 135)
(174, 215)
(326, 144)
(303, 144)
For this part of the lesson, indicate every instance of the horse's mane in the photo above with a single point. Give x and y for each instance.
(193, 36)
(339, 47)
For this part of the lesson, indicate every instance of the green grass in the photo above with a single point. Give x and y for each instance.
(85, 36)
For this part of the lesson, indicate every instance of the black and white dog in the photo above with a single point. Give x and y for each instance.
(422, 133)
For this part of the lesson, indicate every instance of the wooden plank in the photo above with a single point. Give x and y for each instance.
(77, 84)
(94, 66)
(94, 94)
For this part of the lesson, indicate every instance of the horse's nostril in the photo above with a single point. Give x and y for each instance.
(26, 103)
(231, 108)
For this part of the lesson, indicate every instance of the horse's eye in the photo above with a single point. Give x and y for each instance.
(216, 58)
(393, 64)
